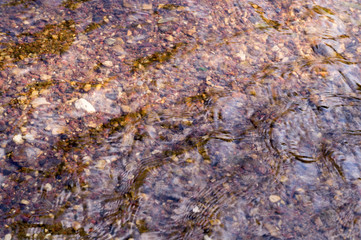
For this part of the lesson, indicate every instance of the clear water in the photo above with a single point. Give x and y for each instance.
(188, 119)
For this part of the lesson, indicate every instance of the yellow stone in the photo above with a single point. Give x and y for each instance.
(25, 202)
(87, 87)
(170, 38)
(215, 222)
(274, 198)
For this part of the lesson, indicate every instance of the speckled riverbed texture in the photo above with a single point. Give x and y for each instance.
(184, 119)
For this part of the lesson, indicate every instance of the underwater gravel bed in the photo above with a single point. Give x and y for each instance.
(180, 119)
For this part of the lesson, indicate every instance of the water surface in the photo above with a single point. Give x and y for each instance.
(188, 119)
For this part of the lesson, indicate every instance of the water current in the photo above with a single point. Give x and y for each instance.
(180, 119)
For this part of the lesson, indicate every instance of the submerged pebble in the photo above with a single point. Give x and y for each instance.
(108, 63)
(83, 104)
(45, 77)
(48, 187)
(110, 41)
(18, 139)
(274, 198)
(39, 101)
(204, 114)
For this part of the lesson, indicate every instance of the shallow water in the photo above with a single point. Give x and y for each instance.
(180, 119)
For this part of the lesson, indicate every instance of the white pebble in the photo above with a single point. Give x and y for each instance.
(76, 225)
(2, 154)
(29, 137)
(196, 209)
(83, 104)
(108, 63)
(206, 237)
(7, 236)
(48, 187)
(18, 139)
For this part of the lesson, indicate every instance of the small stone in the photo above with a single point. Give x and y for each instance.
(127, 4)
(275, 48)
(56, 129)
(283, 179)
(273, 230)
(34, 94)
(165, 20)
(274, 198)
(16, 71)
(241, 55)
(118, 49)
(196, 209)
(48, 187)
(76, 225)
(318, 222)
(215, 222)
(77, 207)
(87, 87)
(82, 37)
(148, 236)
(92, 124)
(101, 164)
(45, 77)
(83, 104)
(206, 237)
(126, 108)
(8, 236)
(25, 202)
(2, 152)
(192, 31)
(110, 41)
(108, 63)
(39, 101)
(147, 6)
(18, 139)
(32, 153)
(170, 38)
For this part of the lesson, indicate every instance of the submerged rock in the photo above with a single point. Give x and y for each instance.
(39, 101)
(83, 104)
